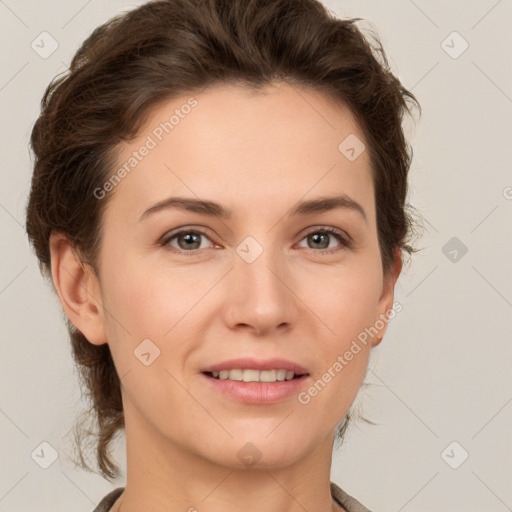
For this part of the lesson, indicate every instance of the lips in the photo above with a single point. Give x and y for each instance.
(253, 381)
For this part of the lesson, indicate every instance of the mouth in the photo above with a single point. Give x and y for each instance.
(257, 382)
(251, 375)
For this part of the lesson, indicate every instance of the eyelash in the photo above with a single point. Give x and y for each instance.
(345, 241)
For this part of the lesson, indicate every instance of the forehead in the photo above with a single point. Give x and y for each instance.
(245, 148)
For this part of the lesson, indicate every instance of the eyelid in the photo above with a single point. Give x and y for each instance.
(330, 229)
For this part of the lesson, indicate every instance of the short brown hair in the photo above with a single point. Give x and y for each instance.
(166, 48)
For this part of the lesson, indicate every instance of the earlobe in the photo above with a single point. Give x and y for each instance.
(386, 299)
(78, 289)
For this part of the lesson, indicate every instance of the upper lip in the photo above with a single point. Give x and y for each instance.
(250, 363)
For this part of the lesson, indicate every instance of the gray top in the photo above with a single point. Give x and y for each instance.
(349, 503)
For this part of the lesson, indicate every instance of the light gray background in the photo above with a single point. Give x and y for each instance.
(442, 373)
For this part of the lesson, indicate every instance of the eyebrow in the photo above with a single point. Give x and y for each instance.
(210, 208)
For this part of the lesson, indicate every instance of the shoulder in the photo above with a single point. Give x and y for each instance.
(349, 503)
(106, 503)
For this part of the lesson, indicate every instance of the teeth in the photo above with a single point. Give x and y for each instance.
(254, 375)
(235, 374)
(268, 376)
(250, 375)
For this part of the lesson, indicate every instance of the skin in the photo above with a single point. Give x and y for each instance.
(257, 154)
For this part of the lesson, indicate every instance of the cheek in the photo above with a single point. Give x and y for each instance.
(147, 299)
(344, 299)
(153, 303)
(143, 305)
(345, 303)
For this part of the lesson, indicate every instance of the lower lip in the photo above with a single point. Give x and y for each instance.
(257, 392)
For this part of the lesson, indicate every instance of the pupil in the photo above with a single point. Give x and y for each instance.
(317, 235)
(193, 238)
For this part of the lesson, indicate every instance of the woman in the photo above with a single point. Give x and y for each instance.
(219, 197)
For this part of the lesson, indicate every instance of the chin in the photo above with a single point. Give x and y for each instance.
(259, 450)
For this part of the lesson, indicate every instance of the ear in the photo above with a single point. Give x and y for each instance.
(78, 289)
(386, 299)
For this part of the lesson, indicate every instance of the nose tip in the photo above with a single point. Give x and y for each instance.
(258, 297)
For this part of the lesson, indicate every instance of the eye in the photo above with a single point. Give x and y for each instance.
(321, 239)
(187, 240)
(191, 240)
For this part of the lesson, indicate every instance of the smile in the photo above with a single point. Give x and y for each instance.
(249, 375)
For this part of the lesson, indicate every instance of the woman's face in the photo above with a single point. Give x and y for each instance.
(264, 285)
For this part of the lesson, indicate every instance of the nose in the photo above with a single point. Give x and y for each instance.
(260, 294)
